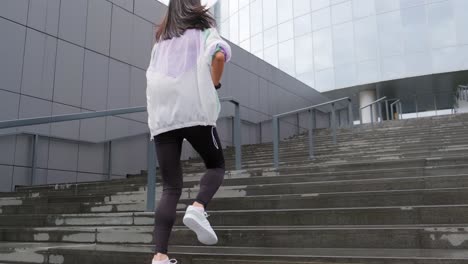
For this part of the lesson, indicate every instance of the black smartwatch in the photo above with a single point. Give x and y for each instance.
(218, 86)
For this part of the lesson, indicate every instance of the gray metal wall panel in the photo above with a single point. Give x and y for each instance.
(69, 129)
(59, 176)
(11, 54)
(93, 130)
(142, 40)
(43, 15)
(63, 155)
(41, 177)
(21, 176)
(90, 177)
(69, 74)
(138, 93)
(149, 9)
(95, 81)
(129, 156)
(116, 127)
(126, 4)
(99, 26)
(23, 154)
(39, 65)
(34, 107)
(16, 10)
(72, 25)
(6, 174)
(119, 85)
(92, 158)
(7, 147)
(121, 33)
(9, 106)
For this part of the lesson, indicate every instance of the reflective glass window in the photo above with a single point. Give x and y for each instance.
(390, 33)
(342, 12)
(321, 19)
(285, 31)
(270, 37)
(343, 42)
(304, 54)
(301, 7)
(323, 52)
(302, 25)
(256, 17)
(363, 8)
(365, 33)
(244, 20)
(285, 10)
(319, 4)
(442, 24)
(269, 14)
(271, 55)
(286, 57)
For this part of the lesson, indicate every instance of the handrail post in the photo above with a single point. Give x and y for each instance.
(34, 159)
(276, 142)
(109, 160)
(350, 114)
(312, 126)
(237, 137)
(151, 178)
(333, 121)
(372, 115)
(360, 116)
(401, 110)
(379, 105)
(298, 128)
(386, 109)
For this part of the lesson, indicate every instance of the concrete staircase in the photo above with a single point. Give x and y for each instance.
(395, 193)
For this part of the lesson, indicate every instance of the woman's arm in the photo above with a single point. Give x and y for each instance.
(217, 67)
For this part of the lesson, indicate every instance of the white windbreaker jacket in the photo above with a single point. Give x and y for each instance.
(180, 91)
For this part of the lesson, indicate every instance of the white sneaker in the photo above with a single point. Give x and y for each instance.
(167, 261)
(195, 219)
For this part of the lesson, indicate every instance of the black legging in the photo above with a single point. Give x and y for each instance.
(205, 141)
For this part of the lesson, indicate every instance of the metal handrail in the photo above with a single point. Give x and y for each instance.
(151, 185)
(371, 105)
(398, 108)
(312, 125)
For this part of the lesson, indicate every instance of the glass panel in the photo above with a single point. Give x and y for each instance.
(271, 55)
(304, 54)
(234, 28)
(390, 33)
(365, 33)
(323, 52)
(416, 32)
(244, 24)
(285, 31)
(256, 17)
(256, 43)
(224, 6)
(301, 7)
(461, 20)
(368, 72)
(233, 6)
(442, 24)
(269, 13)
(393, 68)
(307, 78)
(324, 80)
(286, 57)
(321, 19)
(243, 3)
(285, 10)
(446, 60)
(387, 5)
(245, 45)
(259, 54)
(302, 25)
(409, 3)
(418, 64)
(342, 12)
(363, 8)
(345, 76)
(270, 37)
(319, 4)
(343, 41)
(225, 28)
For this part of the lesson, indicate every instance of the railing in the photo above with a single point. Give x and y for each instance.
(398, 109)
(371, 105)
(151, 184)
(312, 125)
(462, 92)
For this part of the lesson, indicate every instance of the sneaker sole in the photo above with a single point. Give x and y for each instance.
(203, 235)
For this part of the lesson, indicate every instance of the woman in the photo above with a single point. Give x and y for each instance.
(186, 66)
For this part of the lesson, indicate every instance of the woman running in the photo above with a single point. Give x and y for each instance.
(186, 66)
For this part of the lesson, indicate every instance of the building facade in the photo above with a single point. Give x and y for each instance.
(335, 44)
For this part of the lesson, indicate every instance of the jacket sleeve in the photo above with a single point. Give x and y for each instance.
(214, 42)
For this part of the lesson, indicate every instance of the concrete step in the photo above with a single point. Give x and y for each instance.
(72, 253)
(390, 215)
(410, 237)
(403, 198)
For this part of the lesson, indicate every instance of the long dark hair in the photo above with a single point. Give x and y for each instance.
(183, 15)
